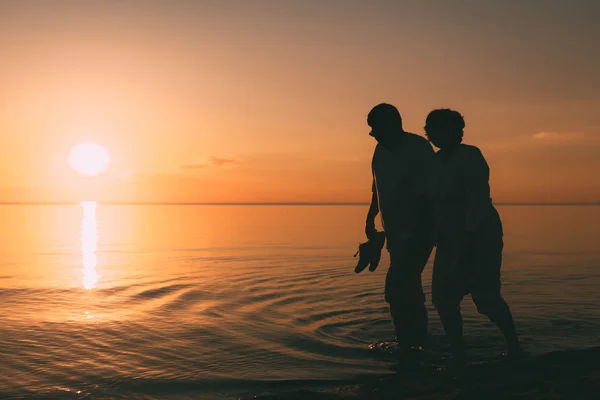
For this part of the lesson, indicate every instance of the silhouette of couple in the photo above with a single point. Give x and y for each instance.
(429, 199)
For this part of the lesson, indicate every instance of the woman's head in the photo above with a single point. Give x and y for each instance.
(444, 128)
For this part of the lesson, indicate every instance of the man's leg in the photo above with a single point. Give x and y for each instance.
(420, 318)
(404, 292)
(409, 321)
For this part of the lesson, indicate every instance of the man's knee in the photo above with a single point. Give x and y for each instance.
(405, 298)
(404, 286)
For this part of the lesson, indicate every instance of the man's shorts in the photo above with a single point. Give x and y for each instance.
(408, 258)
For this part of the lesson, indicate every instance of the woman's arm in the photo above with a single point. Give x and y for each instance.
(476, 179)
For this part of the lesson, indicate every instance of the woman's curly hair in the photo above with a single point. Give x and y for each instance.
(446, 123)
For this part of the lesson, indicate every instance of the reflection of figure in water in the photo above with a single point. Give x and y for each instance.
(403, 166)
(469, 247)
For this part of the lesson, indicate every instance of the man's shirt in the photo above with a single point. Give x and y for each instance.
(405, 180)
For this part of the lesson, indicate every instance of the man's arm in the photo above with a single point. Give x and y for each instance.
(373, 211)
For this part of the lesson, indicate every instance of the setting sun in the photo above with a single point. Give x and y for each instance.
(89, 159)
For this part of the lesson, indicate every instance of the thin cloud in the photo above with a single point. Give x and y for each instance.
(208, 162)
(221, 161)
(558, 136)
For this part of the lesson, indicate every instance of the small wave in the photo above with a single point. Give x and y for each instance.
(160, 292)
(188, 299)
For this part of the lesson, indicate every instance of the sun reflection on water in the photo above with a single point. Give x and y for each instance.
(89, 242)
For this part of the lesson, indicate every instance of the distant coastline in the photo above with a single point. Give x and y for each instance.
(142, 203)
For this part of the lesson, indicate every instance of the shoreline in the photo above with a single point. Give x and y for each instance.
(565, 374)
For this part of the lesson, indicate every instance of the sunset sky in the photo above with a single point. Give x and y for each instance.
(261, 101)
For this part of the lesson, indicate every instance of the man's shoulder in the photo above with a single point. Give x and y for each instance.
(417, 141)
(415, 137)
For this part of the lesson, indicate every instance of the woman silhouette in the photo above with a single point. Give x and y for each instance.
(470, 243)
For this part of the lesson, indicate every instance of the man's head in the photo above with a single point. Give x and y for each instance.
(444, 128)
(385, 121)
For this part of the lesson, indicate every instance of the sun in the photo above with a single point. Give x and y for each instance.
(89, 159)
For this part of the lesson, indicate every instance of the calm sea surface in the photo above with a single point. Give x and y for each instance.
(174, 302)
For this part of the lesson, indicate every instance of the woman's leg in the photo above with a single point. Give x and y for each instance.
(486, 292)
(447, 293)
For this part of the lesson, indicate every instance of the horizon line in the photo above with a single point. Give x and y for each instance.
(283, 203)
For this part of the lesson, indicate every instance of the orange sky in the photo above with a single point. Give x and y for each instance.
(221, 101)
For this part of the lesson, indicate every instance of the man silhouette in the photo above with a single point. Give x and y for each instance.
(404, 174)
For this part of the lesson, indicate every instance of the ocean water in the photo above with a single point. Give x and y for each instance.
(173, 302)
